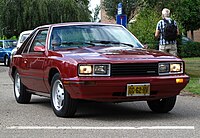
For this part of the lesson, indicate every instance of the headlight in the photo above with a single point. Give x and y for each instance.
(85, 69)
(167, 68)
(94, 70)
(175, 67)
(163, 68)
(101, 69)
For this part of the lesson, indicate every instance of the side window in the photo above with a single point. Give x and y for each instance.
(27, 45)
(40, 40)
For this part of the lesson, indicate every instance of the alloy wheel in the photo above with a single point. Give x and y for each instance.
(17, 85)
(58, 95)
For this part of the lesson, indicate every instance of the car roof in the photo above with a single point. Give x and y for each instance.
(26, 32)
(76, 23)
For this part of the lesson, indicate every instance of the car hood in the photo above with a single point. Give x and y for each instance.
(114, 53)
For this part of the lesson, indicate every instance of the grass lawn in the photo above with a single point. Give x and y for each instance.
(192, 66)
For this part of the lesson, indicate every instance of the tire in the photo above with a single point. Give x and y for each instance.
(6, 61)
(63, 105)
(162, 105)
(21, 95)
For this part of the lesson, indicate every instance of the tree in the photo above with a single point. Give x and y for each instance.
(187, 13)
(95, 17)
(144, 26)
(19, 15)
(129, 6)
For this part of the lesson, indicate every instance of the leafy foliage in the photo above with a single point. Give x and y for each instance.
(191, 49)
(187, 13)
(19, 15)
(95, 17)
(129, 6)
(144, 27)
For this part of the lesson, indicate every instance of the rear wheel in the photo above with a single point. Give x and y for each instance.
(6, 61)
(162, 105)
(63, 105)
(21, 95)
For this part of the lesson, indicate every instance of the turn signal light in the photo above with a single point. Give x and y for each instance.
(179, 80)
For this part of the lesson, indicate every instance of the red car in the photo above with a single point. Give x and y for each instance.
(94, 61)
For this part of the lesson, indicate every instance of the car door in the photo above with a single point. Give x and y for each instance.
(33, 63)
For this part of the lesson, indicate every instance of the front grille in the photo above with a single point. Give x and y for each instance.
(137, 69)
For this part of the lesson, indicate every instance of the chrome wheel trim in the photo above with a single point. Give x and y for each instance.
(17, 85)
(58, 95)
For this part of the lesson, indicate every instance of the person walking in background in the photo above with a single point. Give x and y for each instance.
(167, 32)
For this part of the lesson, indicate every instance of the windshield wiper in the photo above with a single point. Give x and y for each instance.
(112, 42)
(77, 43)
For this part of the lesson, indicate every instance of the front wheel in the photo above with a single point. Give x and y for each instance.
(21, 95)
(6, 61)
(63, 105)
(162, 105)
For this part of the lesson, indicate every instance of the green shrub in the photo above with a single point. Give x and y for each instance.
(3, 38)
(13, 38)
(144, 27)
(191, 49)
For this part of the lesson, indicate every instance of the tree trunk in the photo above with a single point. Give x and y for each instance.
(192, 35)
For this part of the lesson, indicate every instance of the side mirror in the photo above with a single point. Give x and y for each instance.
(39, 48)
(145, 46)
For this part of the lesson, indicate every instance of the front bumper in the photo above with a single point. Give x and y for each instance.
(113, 89)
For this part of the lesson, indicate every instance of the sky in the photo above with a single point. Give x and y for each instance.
(93, 4)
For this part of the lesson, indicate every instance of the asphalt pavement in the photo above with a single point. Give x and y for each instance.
(99, 120)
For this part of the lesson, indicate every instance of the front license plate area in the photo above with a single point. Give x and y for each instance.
(138, 89)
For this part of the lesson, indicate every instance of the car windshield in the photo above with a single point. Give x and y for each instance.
(8, 44)
(91, 35)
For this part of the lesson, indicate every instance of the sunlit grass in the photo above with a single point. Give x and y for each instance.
(192, 66)
(193, 86)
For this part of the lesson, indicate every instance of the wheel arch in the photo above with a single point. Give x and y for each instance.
(6, 55)
(13, 72)
(52, 72)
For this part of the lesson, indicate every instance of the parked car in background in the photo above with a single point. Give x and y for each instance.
(185, 40)
(94, 61)
(6, 46)
(22, 37)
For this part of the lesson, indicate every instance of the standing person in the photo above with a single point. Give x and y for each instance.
(167, 32)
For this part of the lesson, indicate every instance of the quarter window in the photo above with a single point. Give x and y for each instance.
(40, 40)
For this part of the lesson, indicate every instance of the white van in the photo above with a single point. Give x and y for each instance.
(22, 37)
